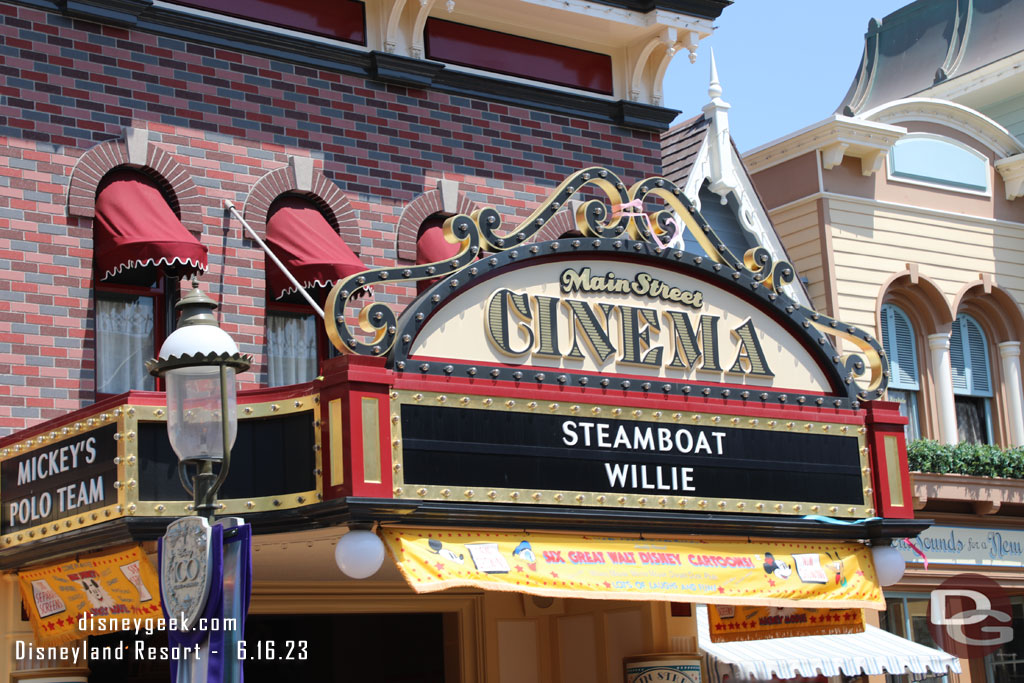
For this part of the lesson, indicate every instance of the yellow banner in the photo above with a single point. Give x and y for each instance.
(90, 596)
(728, 623)
(740, 572)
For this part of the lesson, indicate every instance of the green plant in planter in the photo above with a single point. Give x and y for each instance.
(980, 460)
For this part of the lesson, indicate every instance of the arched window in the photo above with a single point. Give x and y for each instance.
(934, 160)
(972, 380)
(904, 384)
(140, 250)
(301, 236)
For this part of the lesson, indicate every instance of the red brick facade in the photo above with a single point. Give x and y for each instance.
(217, 125)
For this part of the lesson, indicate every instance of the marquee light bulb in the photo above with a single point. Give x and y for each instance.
(359, 554)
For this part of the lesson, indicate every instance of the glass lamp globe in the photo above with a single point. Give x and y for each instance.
(194, 423)
(359, 554)
(191, 361)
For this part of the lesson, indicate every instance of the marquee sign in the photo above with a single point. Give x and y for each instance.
(617, 300)
(481, 449)
(610, 317)
(113, 461)
(65, 478)
(753, 387)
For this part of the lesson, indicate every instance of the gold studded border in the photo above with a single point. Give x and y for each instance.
(127, 418)
(240, 506)
(412, 490)
(118, 416)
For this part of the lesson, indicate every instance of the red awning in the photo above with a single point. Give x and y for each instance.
(135, 228)
(308, 246)
(431, 246)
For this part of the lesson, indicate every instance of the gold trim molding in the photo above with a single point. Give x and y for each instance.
(127, 418)
(415, 491)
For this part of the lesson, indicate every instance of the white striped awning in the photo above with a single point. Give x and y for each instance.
(872, 652)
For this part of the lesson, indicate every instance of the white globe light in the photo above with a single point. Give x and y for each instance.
(359, 554)
(889, 564)
(193, 339)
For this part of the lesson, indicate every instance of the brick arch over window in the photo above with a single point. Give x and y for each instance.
(317, 188)
(418, 210)
(562, 222)
(173, 179)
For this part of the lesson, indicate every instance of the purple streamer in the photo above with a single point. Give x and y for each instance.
(214, 609)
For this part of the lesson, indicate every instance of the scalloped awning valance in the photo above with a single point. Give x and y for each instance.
(308, 246)
(135, 228)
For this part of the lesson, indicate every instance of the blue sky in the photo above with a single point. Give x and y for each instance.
(783, 64)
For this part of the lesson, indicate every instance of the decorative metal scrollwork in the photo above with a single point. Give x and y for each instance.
(623, 213)
(870, 359)
(379, 319)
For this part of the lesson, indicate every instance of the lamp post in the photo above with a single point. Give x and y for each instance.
(198, 362)
(205, 565)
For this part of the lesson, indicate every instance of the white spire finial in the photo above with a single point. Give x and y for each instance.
(721, 173)
(714, 87)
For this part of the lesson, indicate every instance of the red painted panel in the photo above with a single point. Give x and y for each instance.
(481, 48)
(341, 19)
(884, 420)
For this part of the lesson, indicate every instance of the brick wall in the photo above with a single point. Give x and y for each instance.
(229, 118)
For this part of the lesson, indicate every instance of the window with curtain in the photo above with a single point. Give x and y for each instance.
(140, 249)
(303, 238)
(125, 334)
(291, 348)
(972, 380)
(904, 383)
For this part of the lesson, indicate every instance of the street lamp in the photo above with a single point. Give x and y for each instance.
(198, 362)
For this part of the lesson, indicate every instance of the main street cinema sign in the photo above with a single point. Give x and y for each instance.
(613, 369)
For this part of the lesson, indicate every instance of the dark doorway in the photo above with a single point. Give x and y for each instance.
(326, 648)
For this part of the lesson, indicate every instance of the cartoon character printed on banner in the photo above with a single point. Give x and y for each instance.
(524, 552)
(777, 567)
(837, 566)
(94, 591)
(438, 548)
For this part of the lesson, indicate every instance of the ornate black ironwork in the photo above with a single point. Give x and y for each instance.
(623, 221)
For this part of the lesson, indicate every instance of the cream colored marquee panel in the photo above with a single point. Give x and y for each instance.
(549, 313)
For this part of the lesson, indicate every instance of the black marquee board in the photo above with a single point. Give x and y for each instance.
(463, 447)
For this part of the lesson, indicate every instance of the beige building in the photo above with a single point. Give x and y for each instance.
(903, 211)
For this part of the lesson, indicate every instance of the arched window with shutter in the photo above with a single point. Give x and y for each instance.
(972, 380)
(898, 342)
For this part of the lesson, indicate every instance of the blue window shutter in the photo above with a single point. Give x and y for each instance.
(968, 356)
(981, 377)
(898, 342)
(958, 360)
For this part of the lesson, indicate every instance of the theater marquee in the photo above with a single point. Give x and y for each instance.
(611, 317)
(614, 370)
(483, 449)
